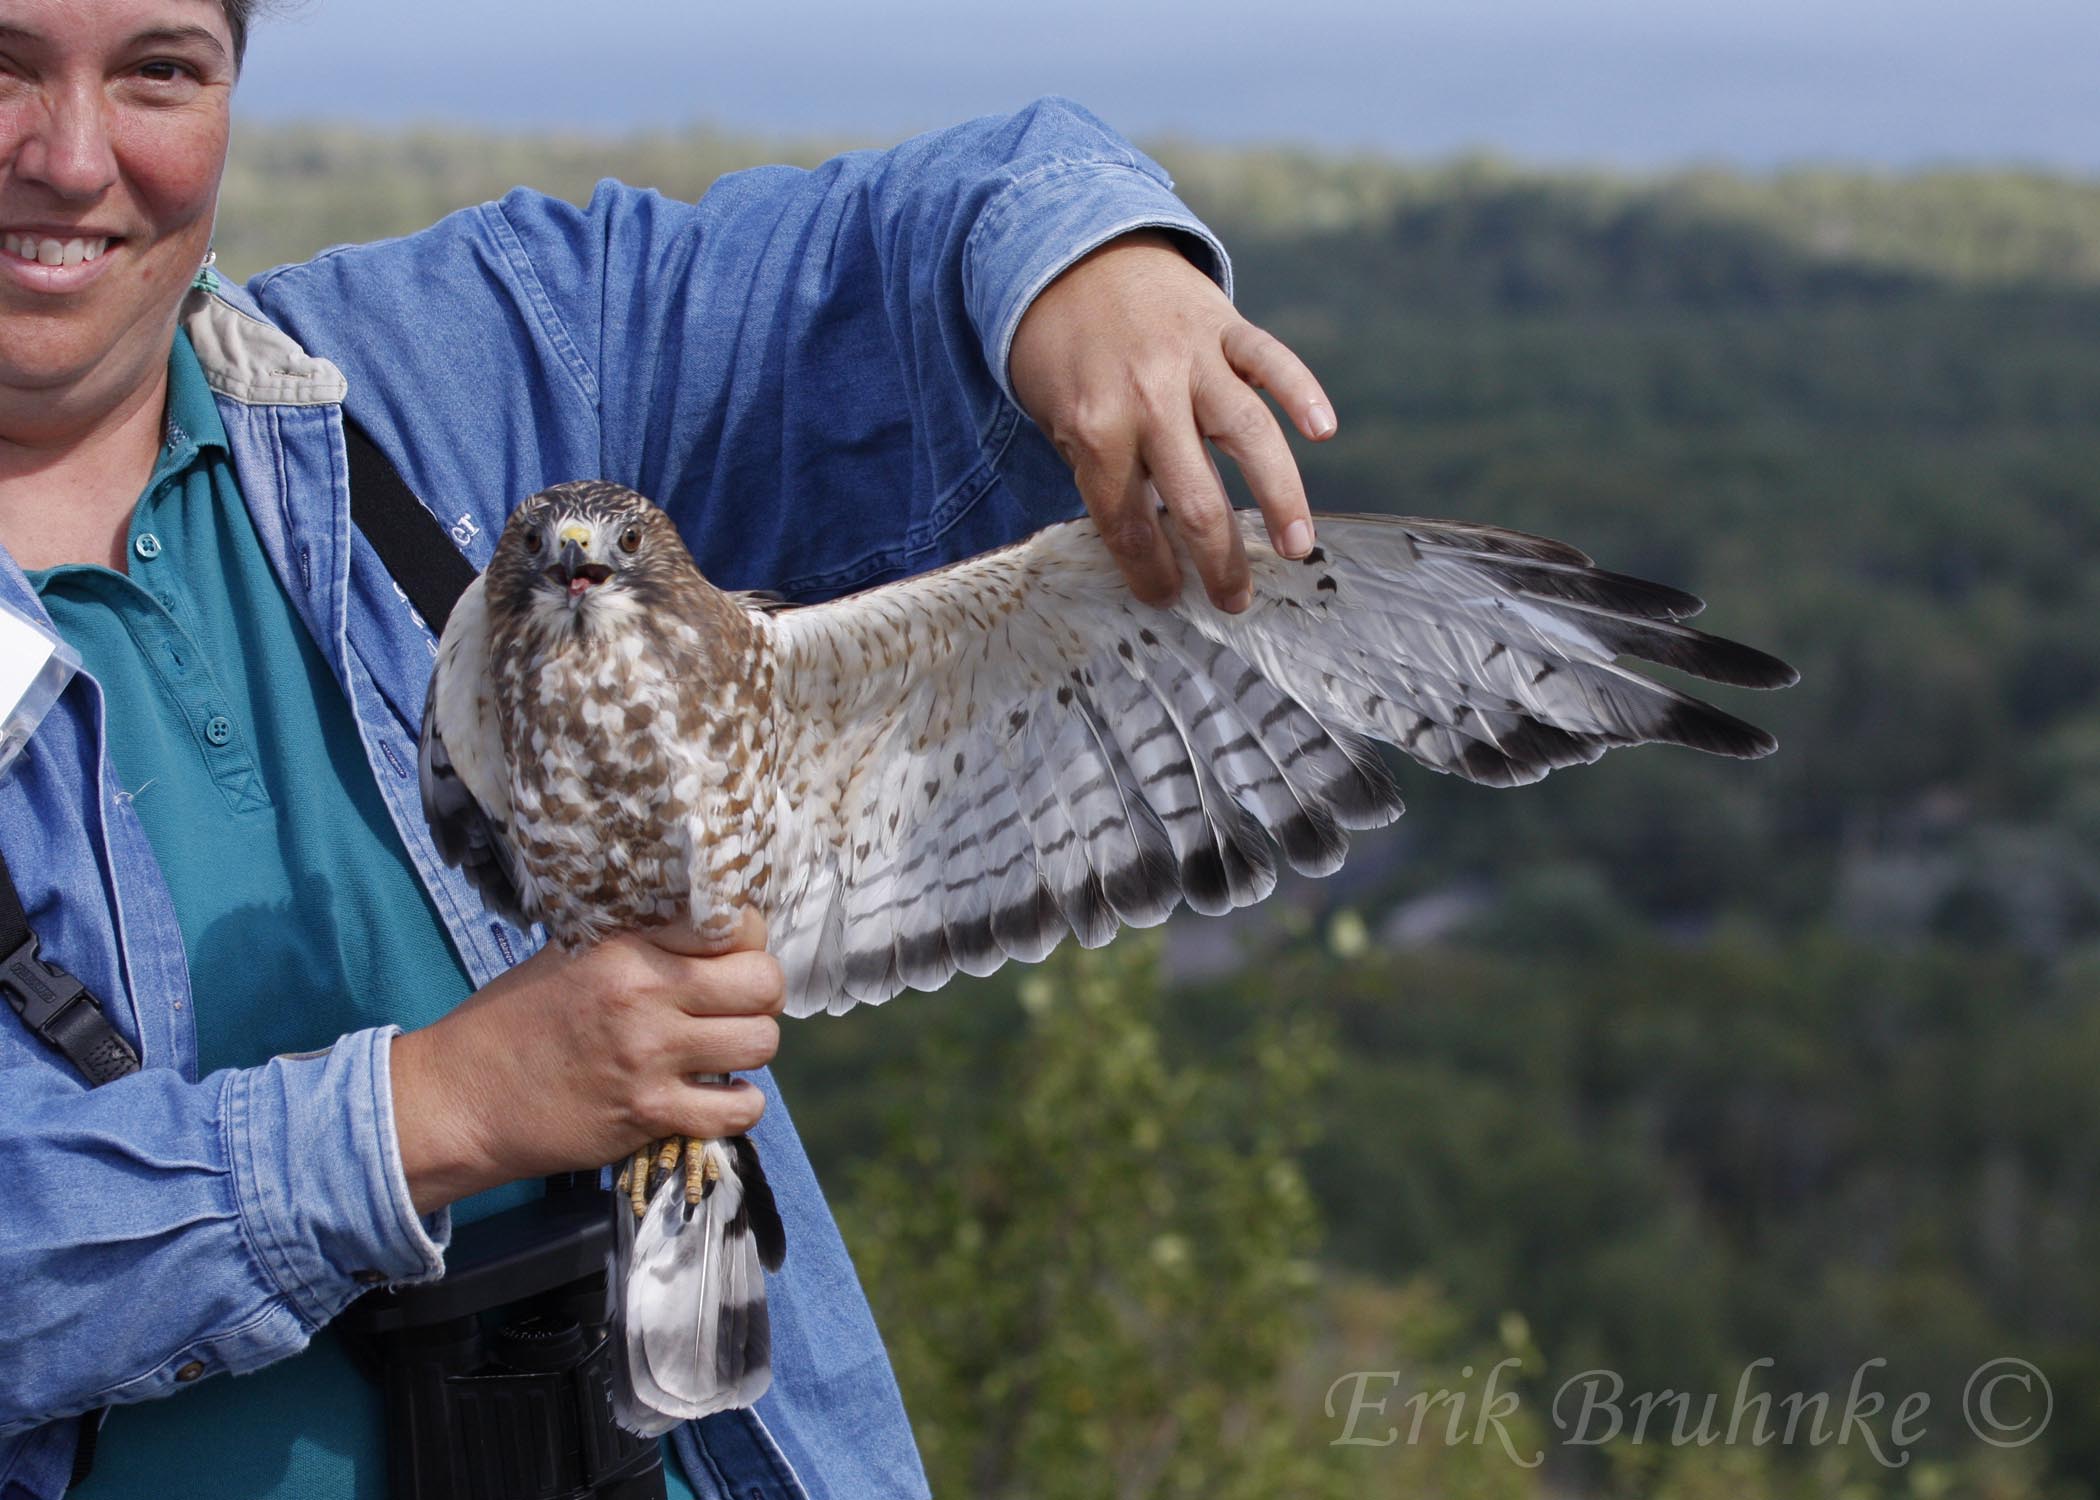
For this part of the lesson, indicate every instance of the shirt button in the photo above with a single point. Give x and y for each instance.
(190, 1371)
(219, 730)
(147, 546)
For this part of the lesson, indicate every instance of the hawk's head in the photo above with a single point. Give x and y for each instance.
(584, 552)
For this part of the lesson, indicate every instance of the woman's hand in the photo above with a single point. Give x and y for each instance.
(569, 1062)
(1129, 361)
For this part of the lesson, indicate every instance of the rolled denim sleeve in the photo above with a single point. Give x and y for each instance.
(1047, 218)
(806, 368)
(158, 1230)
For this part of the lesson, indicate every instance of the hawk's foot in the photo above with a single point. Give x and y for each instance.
(652, 1165)
(703, 1169)
(634, 1181)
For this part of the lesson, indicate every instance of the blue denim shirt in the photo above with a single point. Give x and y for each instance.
(808, 370)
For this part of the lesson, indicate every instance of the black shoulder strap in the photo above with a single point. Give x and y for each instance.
(413, 543)
(51, 1002)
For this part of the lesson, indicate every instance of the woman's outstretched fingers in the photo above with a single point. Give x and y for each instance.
(1262, 361)
(1267, 363)
(1118, 495)
(1241, 425)
(1129, 361)
(1195, 497)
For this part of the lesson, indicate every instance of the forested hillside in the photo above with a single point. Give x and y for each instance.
(1665, 1065)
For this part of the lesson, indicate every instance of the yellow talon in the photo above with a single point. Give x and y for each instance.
(696, 1167)
(636, 1181)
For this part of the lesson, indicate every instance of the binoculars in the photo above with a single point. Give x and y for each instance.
(498, 1378)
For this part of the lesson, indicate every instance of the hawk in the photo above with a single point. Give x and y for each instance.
(958, 769)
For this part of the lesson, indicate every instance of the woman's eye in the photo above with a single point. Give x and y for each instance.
(164, 70)
(631, 539)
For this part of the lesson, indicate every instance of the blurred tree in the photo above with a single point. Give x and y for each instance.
(1092, 1288)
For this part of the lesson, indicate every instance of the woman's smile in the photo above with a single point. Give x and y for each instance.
(55, 261)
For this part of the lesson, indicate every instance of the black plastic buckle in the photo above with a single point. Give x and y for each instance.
(40, 992)
(62, 1011)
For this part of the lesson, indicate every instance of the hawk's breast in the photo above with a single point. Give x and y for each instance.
(636, 773)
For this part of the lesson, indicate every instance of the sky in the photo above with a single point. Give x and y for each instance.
(1626, 83)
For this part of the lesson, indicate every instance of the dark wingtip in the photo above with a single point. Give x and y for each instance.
(1737, 665)
(1365, 796)
(1529, 751)
(1087, 911)
(1621, 593)
(1313, 841)
(1713, 657)
(1030, 928)
(1701, 726)
(1143, 892)
(1203, 881)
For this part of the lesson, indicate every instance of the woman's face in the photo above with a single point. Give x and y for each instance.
(113, 131)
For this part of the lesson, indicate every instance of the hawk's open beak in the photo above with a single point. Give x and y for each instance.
(571, 569)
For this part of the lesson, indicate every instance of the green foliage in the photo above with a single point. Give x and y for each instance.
(1094, 1287)
(1996, 227)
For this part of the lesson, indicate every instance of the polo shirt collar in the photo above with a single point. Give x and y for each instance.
(193, 421)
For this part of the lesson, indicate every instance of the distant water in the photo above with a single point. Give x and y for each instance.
(1634, 83)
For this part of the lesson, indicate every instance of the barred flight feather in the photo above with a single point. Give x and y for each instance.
(1012, 749)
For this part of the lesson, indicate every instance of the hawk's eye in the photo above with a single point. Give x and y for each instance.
(631, 539)
(532, 542)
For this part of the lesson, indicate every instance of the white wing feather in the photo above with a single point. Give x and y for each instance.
(982, 758)
(462, 767)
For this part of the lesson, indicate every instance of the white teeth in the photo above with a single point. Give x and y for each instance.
(50, 252)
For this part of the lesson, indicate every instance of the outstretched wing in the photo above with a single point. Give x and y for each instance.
(461, 765)
(980, 759)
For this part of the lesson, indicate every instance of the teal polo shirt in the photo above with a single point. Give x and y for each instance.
(301, 916)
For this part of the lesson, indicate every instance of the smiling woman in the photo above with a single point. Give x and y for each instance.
(823, 377)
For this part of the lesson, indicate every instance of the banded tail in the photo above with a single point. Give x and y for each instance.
(694, 1334)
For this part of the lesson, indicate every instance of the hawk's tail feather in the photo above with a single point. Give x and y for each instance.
(759, 1210)
(694, 1333)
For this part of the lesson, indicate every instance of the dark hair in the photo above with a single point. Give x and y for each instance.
(238, 14)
